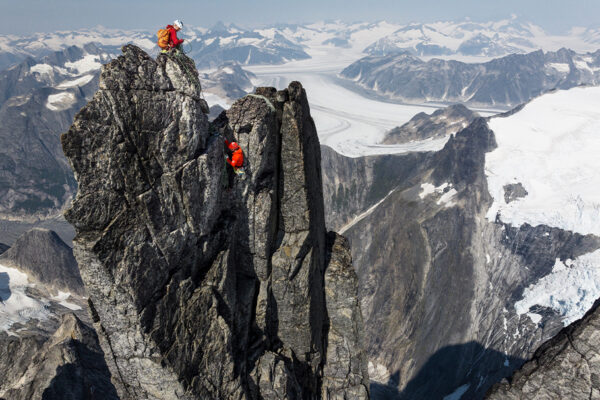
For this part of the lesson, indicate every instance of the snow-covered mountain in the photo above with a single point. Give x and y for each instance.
(47, 347)
(472, 256)
(506, 81)
(222, 44)
(209, 47)
(488, 39)
(14, 48)
(38, 100)
(226, 84)
(279, 43)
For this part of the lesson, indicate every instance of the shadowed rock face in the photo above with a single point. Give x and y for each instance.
(69, 365)
(565, 367)
(45, 258)
(199, 289)
(438, 280)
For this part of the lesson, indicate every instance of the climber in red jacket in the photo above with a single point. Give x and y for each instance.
(237, 158)
(174, 41)
(236, 162)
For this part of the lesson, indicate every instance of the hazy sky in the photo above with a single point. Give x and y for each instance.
(26, 16)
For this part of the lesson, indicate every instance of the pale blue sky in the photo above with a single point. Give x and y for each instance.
(26, 16)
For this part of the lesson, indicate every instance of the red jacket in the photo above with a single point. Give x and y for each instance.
(174, 41)
(237, 159)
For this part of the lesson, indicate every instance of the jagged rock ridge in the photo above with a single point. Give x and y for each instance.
(441, 123)
(507, 81)
(566, 366)
(38, 100)
(47, 348)
(68, 365)
(199, 289)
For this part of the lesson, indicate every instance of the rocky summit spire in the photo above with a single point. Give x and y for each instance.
(200, 289)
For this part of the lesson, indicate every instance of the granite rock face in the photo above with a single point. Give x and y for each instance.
(565, 367)
(203, 286)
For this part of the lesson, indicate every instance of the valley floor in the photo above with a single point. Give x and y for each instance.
(348, 121)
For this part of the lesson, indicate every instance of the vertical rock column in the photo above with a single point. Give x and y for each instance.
(201, 288)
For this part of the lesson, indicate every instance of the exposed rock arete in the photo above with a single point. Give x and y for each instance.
(199, 290)
(565, 367)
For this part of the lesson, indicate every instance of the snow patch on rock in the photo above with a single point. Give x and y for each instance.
(60, 101)
(570, 289)
(88, 63)
(378, 373)
(76, 82)
(446, 191)
(42, 69)
(16, 306)
(62, 298)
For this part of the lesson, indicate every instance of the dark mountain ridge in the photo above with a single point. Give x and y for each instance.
(505, 82)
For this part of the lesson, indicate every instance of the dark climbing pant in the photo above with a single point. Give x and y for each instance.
(230, 176)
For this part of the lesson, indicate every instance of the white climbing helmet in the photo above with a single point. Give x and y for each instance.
(178, 23)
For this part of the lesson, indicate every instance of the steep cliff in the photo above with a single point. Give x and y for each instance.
(454, 297)
(565, 367)
(202, 287)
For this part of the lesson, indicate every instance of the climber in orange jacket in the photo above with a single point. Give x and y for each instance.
(236, 162)
(237, 158)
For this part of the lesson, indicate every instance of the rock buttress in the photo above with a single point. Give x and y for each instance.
(199, 289)
(565, 367)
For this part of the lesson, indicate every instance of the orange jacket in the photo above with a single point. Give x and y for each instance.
(237, 159)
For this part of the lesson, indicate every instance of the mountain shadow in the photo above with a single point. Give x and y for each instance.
(447, 370)
(88, 378)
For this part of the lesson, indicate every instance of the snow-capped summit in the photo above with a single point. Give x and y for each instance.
(38, 99)
(482, 39)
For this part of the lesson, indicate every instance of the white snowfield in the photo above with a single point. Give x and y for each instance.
(62, 298)
(84, 80)
(458, 393)
(552, 147)
(571, 289)
(496, 38)
(15, 305)
(88, 63)
(445, 192)
(60, 101)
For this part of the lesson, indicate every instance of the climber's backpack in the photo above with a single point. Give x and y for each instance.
(163, 38)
